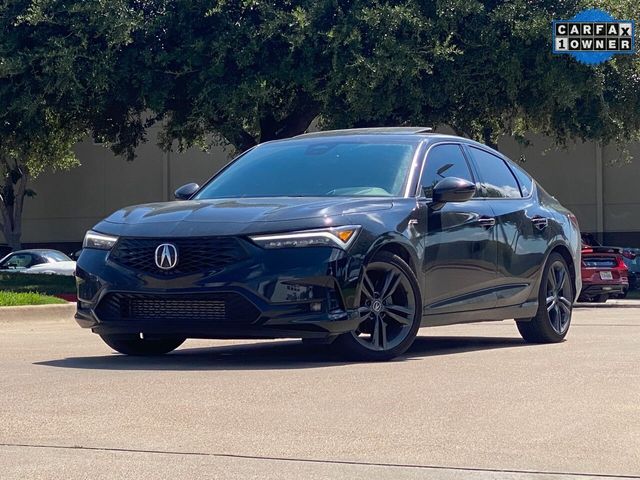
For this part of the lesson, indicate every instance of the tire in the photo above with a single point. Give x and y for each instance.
(624, 293)
(555, 305)
(132, 344)
(391, 311)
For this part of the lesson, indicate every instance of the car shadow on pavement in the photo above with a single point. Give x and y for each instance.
(289, 354)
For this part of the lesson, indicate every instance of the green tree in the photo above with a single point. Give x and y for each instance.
(56, 59)
(497, 75)
(250, 71)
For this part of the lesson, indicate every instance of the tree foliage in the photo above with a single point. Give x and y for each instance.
(247, 71)
(252, 71)
(56, 60)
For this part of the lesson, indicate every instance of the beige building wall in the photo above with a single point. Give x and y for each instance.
(569, 175)
(595, 182)
(605, 197)
(621, 185)
(68, 203)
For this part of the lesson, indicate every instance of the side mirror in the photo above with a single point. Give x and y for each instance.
(186, 191)
(452, 189)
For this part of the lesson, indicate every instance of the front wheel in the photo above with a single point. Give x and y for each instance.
(555, 305)
(132, 344)
(390, 307)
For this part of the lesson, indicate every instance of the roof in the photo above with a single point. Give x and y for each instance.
(37, 250)
(425, 133)
(369, 131)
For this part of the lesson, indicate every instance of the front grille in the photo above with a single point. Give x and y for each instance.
(195, 255)
(210, 307)
(599, 262)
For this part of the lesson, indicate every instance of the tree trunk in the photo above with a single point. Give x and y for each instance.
(13, 240)
(10, 230)
(12, 197)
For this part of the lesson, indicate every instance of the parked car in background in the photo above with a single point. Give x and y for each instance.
(631, 258)
(603, 270)
(38, 261)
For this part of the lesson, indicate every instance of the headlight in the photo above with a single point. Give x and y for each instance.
(340, 237)
(98, 240)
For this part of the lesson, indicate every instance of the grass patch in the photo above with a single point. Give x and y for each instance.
(13, 299)
(38, 283)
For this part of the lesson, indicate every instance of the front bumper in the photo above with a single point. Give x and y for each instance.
(300, 292)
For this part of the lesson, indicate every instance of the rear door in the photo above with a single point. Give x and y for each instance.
(458, 240)
(523, 228)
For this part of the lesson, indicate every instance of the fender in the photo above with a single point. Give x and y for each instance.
(388, 240)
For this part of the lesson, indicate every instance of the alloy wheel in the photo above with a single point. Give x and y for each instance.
(387, 307)
(558, 301)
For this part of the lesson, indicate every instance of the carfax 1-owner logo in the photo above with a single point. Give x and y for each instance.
(593, 36)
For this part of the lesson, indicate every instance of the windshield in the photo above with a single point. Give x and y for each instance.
(317, 168)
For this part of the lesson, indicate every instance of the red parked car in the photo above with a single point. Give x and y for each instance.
(604, 273)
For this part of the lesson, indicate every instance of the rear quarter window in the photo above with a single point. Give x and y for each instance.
(525, 181)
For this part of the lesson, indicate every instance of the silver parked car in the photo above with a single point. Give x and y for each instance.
(38, 261)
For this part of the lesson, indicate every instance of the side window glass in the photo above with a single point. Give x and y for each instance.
(444, 161)
(18, 261)
(496, 178)
(36, 260)
(525, 181)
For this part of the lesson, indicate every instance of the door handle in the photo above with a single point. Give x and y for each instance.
(540, 222)
(486, 222)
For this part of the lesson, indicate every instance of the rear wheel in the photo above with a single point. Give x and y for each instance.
(555, 305)
(132, 344)
(390, 308)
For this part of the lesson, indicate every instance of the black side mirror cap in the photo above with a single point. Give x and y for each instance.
(452, 189)
(185, 192)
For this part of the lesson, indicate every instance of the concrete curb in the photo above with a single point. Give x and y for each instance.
(37, 312)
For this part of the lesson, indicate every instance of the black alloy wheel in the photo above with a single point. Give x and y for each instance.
(390, 308)
(555, 305)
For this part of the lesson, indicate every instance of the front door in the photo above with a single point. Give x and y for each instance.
(459, 263)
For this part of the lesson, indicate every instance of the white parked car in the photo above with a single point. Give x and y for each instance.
(38, 261)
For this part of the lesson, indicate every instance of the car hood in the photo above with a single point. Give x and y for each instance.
(244, 210)
(238, 216)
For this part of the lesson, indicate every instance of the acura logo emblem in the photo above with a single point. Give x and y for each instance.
(166, 256)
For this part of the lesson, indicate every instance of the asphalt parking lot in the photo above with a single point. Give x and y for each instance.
(466, 402)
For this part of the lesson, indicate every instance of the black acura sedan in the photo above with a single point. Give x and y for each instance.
(352, 238)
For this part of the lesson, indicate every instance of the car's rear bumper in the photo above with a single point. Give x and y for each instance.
(602, 289)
